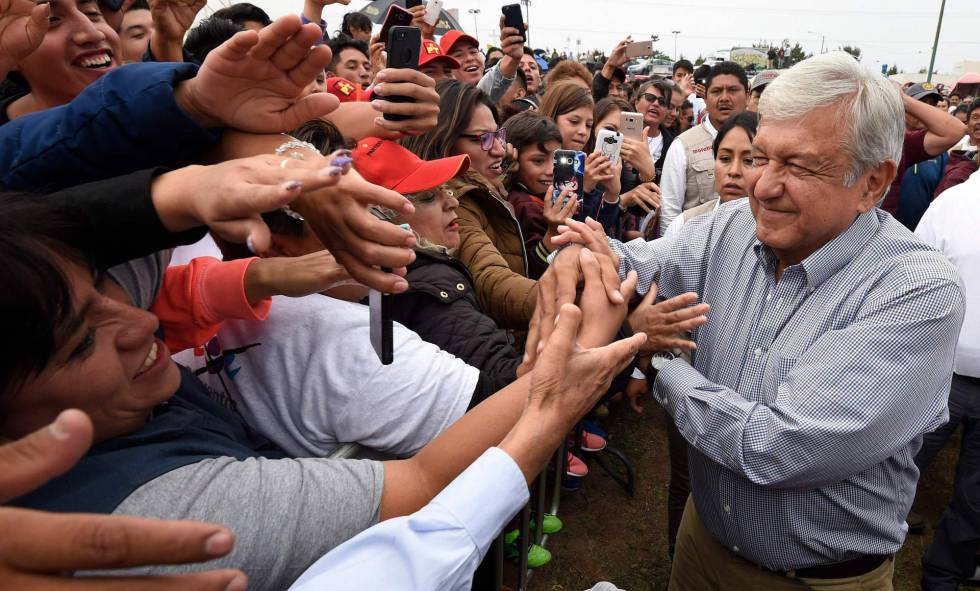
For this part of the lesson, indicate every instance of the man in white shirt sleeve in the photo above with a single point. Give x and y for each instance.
(440, 546)
(689, 168)
(950, 225)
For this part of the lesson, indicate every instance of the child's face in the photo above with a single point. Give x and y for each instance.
(537, 167)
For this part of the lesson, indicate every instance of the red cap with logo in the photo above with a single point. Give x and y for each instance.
(391, 166)
(453, 37)
(343, 89)
(431, 52)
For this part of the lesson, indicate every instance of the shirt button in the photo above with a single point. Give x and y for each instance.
(758, 353)
(728, 508)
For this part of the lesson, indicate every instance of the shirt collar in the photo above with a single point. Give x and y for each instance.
(711, 128)
(831, 257)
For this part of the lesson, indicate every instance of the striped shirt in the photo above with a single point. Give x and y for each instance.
(806, 400)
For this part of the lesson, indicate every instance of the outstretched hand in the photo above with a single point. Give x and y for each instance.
(666, 322)
(37, 548)
(255, 81)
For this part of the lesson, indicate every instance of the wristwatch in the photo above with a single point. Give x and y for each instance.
(657, 362)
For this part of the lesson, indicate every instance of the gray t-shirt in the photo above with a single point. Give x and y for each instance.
(285, 514)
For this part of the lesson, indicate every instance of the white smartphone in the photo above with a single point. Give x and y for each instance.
(631, 124)
(609, 143)
(639, 49)
(433, 9)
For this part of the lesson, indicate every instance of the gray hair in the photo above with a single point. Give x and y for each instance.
(872, 114)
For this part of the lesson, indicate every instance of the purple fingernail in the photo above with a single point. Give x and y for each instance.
(342, 161)
(335, 171)
(292, 185)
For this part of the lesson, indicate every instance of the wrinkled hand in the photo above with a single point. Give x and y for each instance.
(617, 57)
(511, 41)
(636, 153)
(636, 391)
(357, 239)
(22, 27)
(646, 196)
(603, 318)
(230, 197)
(255, 81)
(422, 115)
(295, 277)
(172, 18)
(569, 378)
(38, 548)
(664, 323)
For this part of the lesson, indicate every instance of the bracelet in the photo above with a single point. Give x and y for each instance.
(293, 144)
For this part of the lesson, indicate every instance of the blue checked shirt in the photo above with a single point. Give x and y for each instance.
(806, 399)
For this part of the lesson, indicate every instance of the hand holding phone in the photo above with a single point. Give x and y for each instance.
(609, 143)
(631, 124)
(396, 17)
(404, 48)
(639, 49)
(514, 18)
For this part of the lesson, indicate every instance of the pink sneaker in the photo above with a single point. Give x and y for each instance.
(574, 466)
(592, 442)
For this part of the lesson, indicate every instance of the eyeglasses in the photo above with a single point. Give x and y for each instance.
(487, 138)
(652, 98)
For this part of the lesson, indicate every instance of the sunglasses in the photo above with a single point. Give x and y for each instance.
(487, 138)
(652, 98)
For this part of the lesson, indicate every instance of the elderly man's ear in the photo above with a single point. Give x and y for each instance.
(876, 184)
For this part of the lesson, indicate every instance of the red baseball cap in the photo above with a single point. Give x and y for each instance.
(388, 164)
(432, 52)
(343, 89)
(453, 37)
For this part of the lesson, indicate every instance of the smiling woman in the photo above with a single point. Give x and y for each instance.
(77, 49)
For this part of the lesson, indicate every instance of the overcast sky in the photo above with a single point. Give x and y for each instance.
(887, 31)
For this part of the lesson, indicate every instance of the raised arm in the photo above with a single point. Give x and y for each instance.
(942, 129)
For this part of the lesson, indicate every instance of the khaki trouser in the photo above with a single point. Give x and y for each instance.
(701, 563)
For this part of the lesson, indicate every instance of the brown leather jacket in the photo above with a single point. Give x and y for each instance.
(492, 248)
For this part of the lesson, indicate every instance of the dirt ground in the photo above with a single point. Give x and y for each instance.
(611, 537)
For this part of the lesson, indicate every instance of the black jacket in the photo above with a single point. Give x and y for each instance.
(441, 306)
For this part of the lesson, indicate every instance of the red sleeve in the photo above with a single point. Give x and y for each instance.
(196, 298)
(913, 152)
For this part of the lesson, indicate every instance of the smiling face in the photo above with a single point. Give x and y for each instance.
(796, 184)
(725, 97)
(77, 50)
(537, 167)
(486, 162)
(576, 128)
(437, 70)
(354, 66)
(653, 112)
(134, 36)
(107, 363)
(435, 217)
(471, 61)
(734, 158)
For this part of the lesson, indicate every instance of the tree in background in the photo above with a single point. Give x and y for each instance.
(797, 55)
(854, 51)
(893, 71)
(699, 61)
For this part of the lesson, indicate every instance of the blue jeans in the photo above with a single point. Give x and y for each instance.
(951, 557)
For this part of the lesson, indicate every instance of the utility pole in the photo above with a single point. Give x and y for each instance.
(676, 33)
(822, 39)
(476, 25)
(935, 44)
(527, 15)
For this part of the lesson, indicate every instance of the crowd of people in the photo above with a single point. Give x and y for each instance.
(195, 214)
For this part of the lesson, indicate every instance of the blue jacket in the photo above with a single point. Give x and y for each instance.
(919, 183)
(125, 121)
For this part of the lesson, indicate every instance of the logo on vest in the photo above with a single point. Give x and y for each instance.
(701, 150)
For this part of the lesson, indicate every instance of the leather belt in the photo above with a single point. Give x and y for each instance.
(855, 567)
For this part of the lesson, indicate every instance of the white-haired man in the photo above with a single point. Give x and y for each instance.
(826, 356)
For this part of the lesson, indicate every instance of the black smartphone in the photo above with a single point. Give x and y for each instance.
(404, 48)
(412, 3)
(382, 338)
(569, 173)
(514, 18)
(396, 17)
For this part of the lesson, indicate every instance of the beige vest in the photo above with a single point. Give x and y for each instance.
(700, 166)
(694, 212)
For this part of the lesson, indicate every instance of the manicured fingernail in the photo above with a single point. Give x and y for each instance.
(376, 105)
(527, 357)
(219, 544)
(292, 185)
(540, 348)
(342, 161)
(405, 227)
(239, 583)
(250, 245)
(57, 428)
(408, 207)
